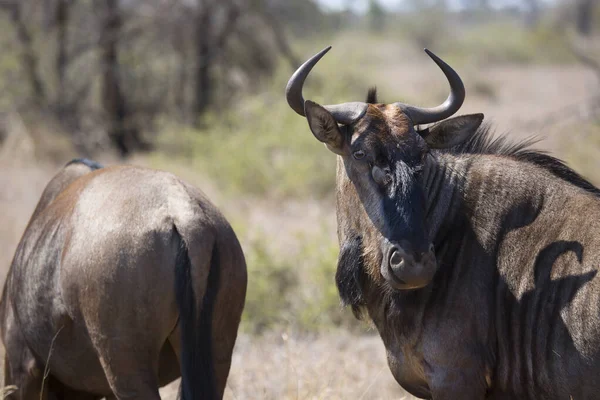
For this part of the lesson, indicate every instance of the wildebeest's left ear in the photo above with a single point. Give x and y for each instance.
(452, 131)
(324, 126)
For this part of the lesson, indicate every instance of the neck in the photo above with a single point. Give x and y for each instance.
(444, 181)
(487, 195)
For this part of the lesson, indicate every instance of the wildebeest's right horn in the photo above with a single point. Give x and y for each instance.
(446, 109)
(345, 113)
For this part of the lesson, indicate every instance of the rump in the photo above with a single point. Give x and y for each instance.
(73, 170)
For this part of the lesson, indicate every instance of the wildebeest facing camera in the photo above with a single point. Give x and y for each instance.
(462, 248)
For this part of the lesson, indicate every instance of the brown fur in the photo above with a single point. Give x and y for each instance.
(512, 310)
(506, 302)
(94, 278)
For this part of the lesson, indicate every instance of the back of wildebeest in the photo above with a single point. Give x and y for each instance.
(124, 278)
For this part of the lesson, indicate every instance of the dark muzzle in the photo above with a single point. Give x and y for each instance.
(403, 268)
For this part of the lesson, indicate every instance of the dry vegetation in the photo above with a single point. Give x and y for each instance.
(261, 166)
(335, 365)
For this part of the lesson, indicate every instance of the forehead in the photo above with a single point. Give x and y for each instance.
(382, 123)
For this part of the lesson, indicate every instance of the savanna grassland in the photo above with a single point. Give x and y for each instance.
(259, 163)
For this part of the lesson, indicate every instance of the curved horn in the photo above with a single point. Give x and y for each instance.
(447, 108)
(345, 113)
(293, 90)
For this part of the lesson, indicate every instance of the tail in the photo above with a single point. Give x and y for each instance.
(197, 367)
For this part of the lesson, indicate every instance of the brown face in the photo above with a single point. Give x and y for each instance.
(380, 199)
(382, 157)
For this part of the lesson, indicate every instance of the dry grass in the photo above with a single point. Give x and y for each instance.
(335, 365)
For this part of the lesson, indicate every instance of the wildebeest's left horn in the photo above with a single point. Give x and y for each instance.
(345, 113)
(446, 109)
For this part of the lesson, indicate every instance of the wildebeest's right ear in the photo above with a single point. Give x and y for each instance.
(452, 131)
(324, 127)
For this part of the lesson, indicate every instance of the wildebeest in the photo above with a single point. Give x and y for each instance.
(124, 279)
(475, 258)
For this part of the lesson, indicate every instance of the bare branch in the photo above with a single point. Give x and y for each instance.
(61, 21)
(233, 14)
(29, 59)
(280, 38)
(125, 35)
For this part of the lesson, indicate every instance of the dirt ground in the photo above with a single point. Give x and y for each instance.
(523, 99)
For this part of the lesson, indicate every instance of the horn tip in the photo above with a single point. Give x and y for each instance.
(429, 53)
(435, 58)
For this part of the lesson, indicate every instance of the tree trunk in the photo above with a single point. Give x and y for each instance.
(585, 16)
(29, 59)
(203, 86)
(280, 38)
(182, 72)
(48, 17)
(532, 15)
(121, 131)
(62, 25)
(209, 42)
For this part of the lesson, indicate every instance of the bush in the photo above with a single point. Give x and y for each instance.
(321, 307)
(293, 289)
(272, 284)
(260, 147)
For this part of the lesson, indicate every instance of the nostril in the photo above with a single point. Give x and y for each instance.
(406, 268)
(396, 259)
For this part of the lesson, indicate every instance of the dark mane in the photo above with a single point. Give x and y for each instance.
(484, 142)
(372, 95)
(93, 165)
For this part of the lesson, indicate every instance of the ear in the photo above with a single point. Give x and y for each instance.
(324, 127)
(452, 131)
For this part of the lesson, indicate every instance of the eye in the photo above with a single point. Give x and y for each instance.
(359, 154)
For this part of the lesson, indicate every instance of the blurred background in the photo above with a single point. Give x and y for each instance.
(196, 87)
